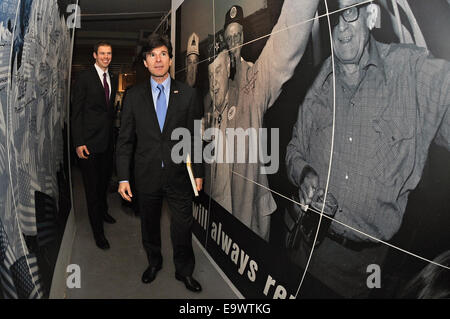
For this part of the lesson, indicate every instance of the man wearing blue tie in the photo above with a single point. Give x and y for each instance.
(152, 110)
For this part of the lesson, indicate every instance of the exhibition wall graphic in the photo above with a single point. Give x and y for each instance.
(344, 192)
(34, 187)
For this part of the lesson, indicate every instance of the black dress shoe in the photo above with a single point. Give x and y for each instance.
(102, 242)
(150, 274)
(109, 219)
(190, 283)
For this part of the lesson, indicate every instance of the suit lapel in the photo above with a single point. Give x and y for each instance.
(113, 89)
(150, 106)
(172, 105)
(96, 79)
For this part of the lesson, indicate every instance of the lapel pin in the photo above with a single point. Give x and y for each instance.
(175, 92)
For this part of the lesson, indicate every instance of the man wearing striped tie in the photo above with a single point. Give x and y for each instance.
(92, 134)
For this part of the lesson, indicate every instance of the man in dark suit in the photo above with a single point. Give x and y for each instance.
(151, 112)
(92, 133)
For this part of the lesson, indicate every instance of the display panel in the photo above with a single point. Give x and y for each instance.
(35, 191)
(355, 143)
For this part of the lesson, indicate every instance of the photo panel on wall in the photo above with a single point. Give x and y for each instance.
(311, 117)
(375, 90)
(258, 48)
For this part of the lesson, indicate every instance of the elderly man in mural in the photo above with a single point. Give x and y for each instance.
(243, 108)
(392, 100)
(234, 36)
(218, 183)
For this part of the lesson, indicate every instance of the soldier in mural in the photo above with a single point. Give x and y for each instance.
(192, 55)
(244, 109)
(234, 36)
(391, 102)
(222, 89)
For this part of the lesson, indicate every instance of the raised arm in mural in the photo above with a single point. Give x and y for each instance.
(241, 103)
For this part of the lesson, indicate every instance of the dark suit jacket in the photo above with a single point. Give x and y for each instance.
(92, 119)
(140, 125)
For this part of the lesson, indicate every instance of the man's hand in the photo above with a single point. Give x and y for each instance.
(82, 151)
(310, 194)
(199, 183)
(308, 187)
(331, 203)
(125, 191)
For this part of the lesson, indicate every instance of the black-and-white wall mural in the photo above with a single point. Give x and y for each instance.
(34, 194)
(350, 107)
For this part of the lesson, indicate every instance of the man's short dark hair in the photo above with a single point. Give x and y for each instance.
(101, 43)
(156, 40)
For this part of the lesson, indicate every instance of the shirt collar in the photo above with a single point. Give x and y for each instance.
(374, 57)
(165, 84)
(374, 60)
(100, 71)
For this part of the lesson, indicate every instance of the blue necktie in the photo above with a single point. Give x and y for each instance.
(161, 106)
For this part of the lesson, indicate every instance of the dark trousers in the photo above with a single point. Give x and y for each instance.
(96, 171)
(180, 227)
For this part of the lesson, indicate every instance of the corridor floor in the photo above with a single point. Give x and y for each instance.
(116, 273)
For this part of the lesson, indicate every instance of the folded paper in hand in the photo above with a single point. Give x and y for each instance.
(191, 174)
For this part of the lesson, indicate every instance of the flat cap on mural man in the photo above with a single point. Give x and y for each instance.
(392, 101)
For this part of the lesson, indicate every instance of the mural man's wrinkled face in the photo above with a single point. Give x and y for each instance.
(234, 35)
(219, 72)
(350, 38)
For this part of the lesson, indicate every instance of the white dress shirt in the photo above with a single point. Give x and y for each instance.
(100, 74)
